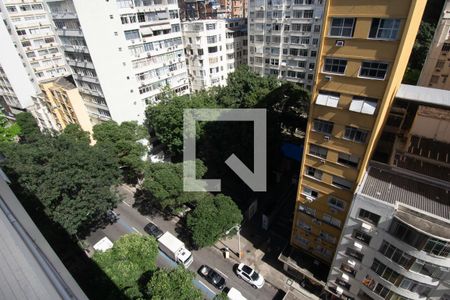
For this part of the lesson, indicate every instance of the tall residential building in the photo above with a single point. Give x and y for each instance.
(436, 68)
(65, 103)
(122, 53)
(31, 32)
(214, 48)
(284, 38)
(396, 240)
(364, 50)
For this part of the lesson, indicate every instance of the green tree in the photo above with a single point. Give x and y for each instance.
(29, 127)
(166, 117)
(8, 130)
(245, 89)
(71, 180)
(164, 183)
(211, 218)
(123, 141)
(173, 284)
(129, 262)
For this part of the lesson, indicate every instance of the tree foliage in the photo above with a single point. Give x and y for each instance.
(173, 284)
(67, 177)
(211, 218)
(28, 126)
(164, 182)
(8, 130)
(166, 117)
(123, 141)
(129, 262)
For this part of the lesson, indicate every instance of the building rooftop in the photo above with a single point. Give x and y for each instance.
(29, 268)
(393, 185)
(426, 95)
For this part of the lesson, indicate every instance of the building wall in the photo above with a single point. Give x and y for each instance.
(214, 48)
(284, 38)
(66, 105)
(328, 175)
(366, 240)
(130, 59)
(436, 68)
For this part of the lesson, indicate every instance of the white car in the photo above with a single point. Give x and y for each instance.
(251, 276)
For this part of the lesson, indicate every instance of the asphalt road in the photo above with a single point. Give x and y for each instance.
(130, 220)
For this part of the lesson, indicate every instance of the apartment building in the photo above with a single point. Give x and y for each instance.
(436, 68)
(214, 48)
(66, 104)
(363, 55)
(31, 32)
(122, 53)
(396, 243)
(284, 38)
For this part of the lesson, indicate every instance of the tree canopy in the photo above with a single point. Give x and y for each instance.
(164, 183)
(123, 141)
(129, 263)
(64, 175)
(211, 218)
(8, 130)
(173, 284)
(28, 126)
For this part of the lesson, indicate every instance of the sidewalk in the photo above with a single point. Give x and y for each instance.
(254, 256)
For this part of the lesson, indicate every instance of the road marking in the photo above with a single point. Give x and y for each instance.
(126, 203)
(135, 229)
(221, 272)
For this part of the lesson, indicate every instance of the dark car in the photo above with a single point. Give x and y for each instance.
(212, 277)
(152, 229)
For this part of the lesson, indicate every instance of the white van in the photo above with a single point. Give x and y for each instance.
(234, 294)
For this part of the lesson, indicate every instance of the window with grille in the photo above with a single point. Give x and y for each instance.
(335, 65)
(323, 126)
(318, 151)
(342, 27)
(355, 134)
(313, 172)
(376, 70)
(348, 160)
(384, 29)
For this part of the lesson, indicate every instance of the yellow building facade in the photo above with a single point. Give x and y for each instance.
(364, 50)
(65, 104)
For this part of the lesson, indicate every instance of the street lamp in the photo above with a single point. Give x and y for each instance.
(238, 228)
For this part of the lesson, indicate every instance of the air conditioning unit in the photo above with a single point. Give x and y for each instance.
(328, 78)
(326, 137)
(340, 43)
(322, 161)
(310, 198)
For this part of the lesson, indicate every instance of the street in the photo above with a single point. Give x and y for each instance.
(131, 221)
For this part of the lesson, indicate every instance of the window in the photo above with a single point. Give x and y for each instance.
(385, 29)
(21, 32)
(355, 134)
(384, 271)
(348, 160)
(363, 105)
(348, 269)
(335, 65)
(304, 226)
(336, 203)
(308, 14)
(375, 70)
(395, 254)
(342, 183)
(318, 151)
(26, 43)
(328, 99)
(437, 247)
(342, 283)
(369, 216)
(313, 172)
(354, 253)
(132, 34)
(11, 8)
(361, 236)
(428, 269)
(212, 49)
(445, 47)
(307, 210)
(342, 27)
(407, 234)
(310, 193)
(210, 26)
(210, 39)
(331, 220)
(440, 64)
(414, 286)
(434, 79)
(323, 126)
(381, 290)
(327, 237)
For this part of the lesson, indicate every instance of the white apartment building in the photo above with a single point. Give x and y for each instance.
(284, 37)
(122, 53)
(214, 48)
(396, 240)
(31, 32)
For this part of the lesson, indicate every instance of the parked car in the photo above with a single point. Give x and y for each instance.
(153, 230)
(212, 277)
(251, 276)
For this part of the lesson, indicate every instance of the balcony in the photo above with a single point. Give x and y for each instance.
(64, 15)
(89, 79)
(69, 32)
(80, 64)
(75, 48)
